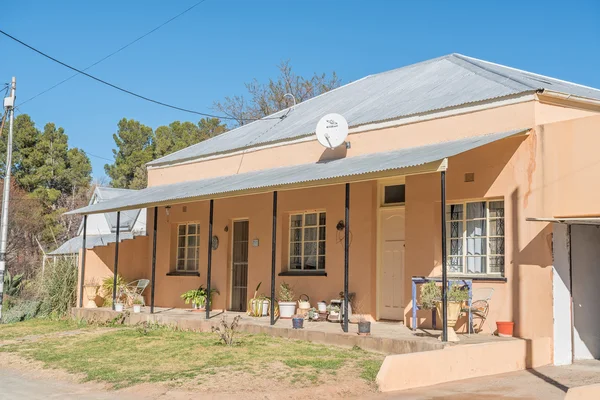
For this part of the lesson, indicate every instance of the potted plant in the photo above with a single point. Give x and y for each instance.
(91, 291)
(287, 305)
(258, 306)
(431, 297)
(137, 305)
(197, 297)
(297, 321)
(364, 325)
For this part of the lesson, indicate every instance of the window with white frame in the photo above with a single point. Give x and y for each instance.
(475, 237)
(307, 241)
(188, 247)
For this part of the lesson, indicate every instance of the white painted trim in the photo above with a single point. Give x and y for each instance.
(449, 112)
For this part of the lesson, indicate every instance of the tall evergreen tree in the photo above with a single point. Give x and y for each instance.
(134, 149)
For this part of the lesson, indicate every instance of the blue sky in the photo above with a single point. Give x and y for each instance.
(212, 50)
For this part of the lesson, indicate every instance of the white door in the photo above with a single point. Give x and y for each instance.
(392, 264)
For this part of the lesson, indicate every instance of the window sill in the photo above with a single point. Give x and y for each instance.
(480, 278)
(303, 273)
(182, 273)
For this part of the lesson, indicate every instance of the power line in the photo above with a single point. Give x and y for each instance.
(128, 91)
(114, 52)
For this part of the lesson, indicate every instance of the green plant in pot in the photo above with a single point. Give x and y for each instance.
(137, 304)
(287, 305)
(431, 297)
(197, 297)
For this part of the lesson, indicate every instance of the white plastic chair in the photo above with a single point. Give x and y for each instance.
(480, 306)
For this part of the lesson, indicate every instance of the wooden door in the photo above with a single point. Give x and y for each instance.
(239, 267)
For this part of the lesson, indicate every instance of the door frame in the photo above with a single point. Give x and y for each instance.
(381, 184)
(230, 262)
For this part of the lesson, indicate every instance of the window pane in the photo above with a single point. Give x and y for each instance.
(322, 233)
(454, 212)
(322, 218)
(310, 220)
(181, 241)
(496, 227)
(476, 265)
(296, 220)
(496, 209)
(295, 263)
(296, 235)
(191, 265)
(394, 194)
(296, 249)
(192, 241)
(455, 264)
(476, 228)
(497, 246)
(310, 248)
(180, 253)
(310, 234)
(455, 229)
(321, 248)
(456, 247)
(181, 264)
(192, 229)
(476, 247)
(181, 230)
(496, 264)
(321, 262)
(191, 254)
(476, 210)
(310, 262)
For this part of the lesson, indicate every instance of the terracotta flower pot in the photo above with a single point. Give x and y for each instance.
(505, 328)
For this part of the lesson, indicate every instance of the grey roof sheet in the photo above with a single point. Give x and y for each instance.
(128, 218)
(279, 177)
(73, 245)
(448, 81)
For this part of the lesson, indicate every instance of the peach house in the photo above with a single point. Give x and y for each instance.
(478, 145)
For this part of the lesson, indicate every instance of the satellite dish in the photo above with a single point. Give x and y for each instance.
(332, 130)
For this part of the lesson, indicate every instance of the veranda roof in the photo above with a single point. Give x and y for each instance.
(73, 245)
(407, 161)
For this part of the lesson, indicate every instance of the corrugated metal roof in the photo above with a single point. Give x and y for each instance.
(285, 176)
(448, 81)
(73, 245)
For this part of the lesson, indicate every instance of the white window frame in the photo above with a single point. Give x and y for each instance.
(487, 237)
(186, 247)
(302, 242)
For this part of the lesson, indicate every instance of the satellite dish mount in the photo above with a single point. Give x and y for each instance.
(332, 131)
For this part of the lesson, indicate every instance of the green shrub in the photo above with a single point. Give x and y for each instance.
(21, 310)
(57, 287)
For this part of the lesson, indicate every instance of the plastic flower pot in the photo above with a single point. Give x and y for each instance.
(298, 322)
(137, 308)
(364, 328)
(287, 309)
(119, 307)
(505, 328)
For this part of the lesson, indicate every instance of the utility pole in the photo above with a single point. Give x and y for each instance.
(9, 105)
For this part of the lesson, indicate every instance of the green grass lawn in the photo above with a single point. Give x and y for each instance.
(129, 356)
(36, 327)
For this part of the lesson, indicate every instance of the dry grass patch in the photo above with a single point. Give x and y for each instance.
(36, 326)
(131, 356)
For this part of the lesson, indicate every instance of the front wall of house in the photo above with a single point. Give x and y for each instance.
(257, 210)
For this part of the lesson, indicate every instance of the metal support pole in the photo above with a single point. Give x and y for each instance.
(83, 251)
(153, 262)
(444, 264)
(208, 271)
(273, 251)
(115, 269)
(9, 102)
(346, 256)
